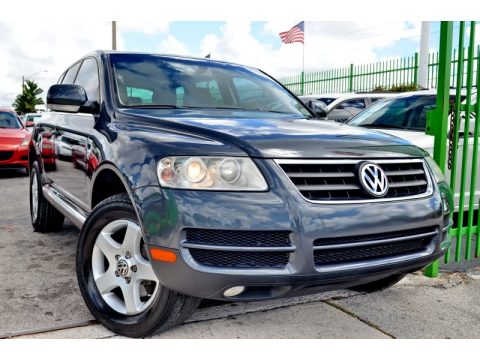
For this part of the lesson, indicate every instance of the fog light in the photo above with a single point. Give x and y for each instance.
(445, 203)
(234, 291)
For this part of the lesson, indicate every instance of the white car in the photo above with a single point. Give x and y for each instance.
(342, 106)
(30, 119)
(64, 145)
(404, 116)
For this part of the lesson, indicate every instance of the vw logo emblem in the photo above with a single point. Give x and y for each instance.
(373, 179)
(122, 267)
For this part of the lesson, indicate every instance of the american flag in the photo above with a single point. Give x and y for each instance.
(295, 34)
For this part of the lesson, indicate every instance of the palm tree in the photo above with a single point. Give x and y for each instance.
(29, 98)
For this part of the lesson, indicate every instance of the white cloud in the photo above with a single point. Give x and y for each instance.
(50, 46)
(53, 46)
(148, 27)
(171, 45)
(327, 44)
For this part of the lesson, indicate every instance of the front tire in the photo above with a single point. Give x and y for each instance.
(44, 216)
(116, 278)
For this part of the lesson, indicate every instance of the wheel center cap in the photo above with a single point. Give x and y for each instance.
(123, 268)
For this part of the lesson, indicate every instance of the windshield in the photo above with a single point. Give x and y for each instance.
(33, 118)
(155, 81)
(9, 120)
(409, 113)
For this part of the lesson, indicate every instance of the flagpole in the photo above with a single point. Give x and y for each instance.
(302, 88)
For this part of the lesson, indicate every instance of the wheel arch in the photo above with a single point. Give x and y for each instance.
(32, 157)
(107, 181)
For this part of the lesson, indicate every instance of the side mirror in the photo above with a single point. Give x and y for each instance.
(319, 108)
(66, 97)
(29, 124)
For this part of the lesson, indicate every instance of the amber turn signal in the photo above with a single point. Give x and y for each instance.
(163, 255)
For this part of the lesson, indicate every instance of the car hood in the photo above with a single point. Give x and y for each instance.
(417, 138)
(12, 137)
(268, 135)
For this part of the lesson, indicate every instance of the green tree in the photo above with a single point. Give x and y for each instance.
(29, 98)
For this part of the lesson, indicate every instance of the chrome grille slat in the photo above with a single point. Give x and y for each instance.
(327, 187)
(404, 173)
(320, 175)
(408, 183)
(333, 181)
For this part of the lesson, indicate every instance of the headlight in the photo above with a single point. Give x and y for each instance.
(25, 142)
(210, 173)
(437, 173)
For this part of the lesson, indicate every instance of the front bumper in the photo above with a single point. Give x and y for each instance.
(166, 214)
(17, 160)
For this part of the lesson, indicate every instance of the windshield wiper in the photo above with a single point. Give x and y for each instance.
(235, 108)
(159, 106)
(162, 106)
(384, 126)
(153, 106)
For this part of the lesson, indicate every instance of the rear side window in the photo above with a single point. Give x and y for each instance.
(69, 77)
(325, 100)
(353, 103)
(88, 78)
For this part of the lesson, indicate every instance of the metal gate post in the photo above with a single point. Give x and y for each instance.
(415, 72)
(350, 79)
(437, 120)
(302, 84)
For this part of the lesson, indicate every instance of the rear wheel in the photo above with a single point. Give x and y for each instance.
(116, 278)
(45, 217)
(381, 284)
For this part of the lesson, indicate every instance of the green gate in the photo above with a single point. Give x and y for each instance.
(455, 124)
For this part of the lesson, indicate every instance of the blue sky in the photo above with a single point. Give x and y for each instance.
(191, 34)
(44, 54)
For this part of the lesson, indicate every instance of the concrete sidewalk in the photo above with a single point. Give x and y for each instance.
(39, 296)
(418, 307)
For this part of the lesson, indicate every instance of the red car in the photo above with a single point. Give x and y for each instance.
(14, 141)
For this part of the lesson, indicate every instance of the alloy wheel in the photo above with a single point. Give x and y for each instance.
(121, 270)
(34, 196)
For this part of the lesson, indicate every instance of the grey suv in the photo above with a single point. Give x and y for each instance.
(192, 178)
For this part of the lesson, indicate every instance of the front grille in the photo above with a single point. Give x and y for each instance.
(239, 249)
(239, 259)
(5, 155)
(238, 238)
(333, 251)
(329, 180)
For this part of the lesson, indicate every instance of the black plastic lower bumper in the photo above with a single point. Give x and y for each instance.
(270, 284)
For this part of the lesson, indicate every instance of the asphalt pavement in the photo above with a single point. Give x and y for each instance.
(39, 296)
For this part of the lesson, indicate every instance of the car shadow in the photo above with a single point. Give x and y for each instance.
(21, 173)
